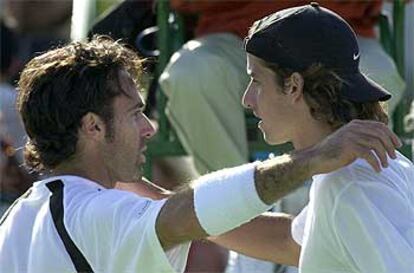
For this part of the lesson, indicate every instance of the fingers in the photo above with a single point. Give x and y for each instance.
(382, 128)
(375, 146)
(370, 158)
(369, 140)
(388, 139)
(376, 136)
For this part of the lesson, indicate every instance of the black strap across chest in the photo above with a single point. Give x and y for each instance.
(57, 211)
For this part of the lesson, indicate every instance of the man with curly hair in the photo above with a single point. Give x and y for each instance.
(84, 118)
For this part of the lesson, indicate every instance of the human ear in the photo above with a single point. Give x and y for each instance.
(92, 126)
(295, 86)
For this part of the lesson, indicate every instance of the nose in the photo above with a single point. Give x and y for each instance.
(248, 99)
(148, 129)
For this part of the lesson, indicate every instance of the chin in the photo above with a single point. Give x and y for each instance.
(139, 173)
(268, 137)
(273, 140)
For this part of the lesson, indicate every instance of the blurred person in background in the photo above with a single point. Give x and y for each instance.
(11, 125)
(38, 25)
(27, 28)
(14, 179)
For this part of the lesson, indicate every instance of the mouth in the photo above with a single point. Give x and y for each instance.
(256, 114)
(259, 119)
(142, 159)
(141, 156)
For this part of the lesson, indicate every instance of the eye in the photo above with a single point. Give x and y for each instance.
(255, 81)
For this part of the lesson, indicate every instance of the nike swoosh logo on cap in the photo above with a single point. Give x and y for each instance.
(356, 56)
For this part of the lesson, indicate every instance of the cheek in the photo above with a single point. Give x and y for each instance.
(134, 132)
(276, 109)
(132, 135)
(268, 101)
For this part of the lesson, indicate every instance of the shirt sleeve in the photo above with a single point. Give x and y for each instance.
(298, 226)
(374, 224)
(116, 231)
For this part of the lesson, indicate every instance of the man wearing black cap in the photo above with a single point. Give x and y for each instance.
(305, 84)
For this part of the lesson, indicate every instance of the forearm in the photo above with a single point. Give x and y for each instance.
(226, 199)
(177, 221)
(217, 203)
(276, 177)
(368, 140)
(266, 237)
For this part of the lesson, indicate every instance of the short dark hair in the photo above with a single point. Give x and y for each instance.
(322, 92)
(57, 88)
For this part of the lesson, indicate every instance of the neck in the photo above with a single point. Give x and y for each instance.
(310, 133)
(85, 170)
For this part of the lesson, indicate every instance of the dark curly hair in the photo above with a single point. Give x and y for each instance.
(322, 93)
(57, 88)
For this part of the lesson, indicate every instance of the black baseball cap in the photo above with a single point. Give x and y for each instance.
(298, 37)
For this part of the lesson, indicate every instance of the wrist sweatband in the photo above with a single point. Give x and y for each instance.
(225, 199)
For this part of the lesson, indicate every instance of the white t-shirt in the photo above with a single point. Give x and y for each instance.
(359, 221)
(114, 230)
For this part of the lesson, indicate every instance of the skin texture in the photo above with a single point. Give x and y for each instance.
(268, 102)
(125, 152)
(116, 158)
(283, 113)
(285, 116)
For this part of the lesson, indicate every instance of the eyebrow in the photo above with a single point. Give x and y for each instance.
(251, 73)
(254, 76)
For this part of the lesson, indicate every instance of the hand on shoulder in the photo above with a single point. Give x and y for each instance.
(366, 139)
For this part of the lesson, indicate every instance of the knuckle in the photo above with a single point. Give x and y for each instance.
(367, 153)
(377, 144)
(382, 135)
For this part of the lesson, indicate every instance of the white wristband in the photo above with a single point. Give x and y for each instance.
(225, 199)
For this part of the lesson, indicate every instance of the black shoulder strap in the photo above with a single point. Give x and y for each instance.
(57, 210)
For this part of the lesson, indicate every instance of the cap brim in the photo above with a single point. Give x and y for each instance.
(359, 88)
